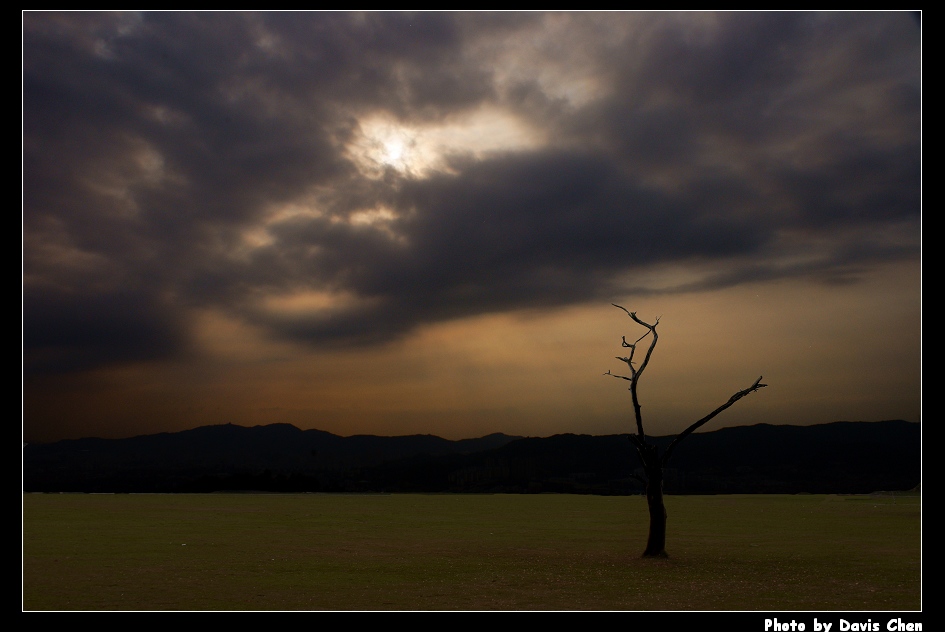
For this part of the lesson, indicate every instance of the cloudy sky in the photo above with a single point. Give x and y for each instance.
(400, 223)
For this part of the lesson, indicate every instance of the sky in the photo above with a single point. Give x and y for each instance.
(398, 223)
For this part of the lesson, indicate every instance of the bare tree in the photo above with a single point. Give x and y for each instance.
(653, 462)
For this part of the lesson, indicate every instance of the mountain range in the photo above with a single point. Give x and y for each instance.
(841, 457)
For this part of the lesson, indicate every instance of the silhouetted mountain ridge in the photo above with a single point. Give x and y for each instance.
(841, 457)
(274, 446)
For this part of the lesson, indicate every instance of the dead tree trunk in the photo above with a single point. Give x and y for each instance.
(653, 462)
(656, 540)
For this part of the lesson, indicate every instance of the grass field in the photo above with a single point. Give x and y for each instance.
(468, 552)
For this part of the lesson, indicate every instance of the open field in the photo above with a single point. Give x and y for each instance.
(467, 552)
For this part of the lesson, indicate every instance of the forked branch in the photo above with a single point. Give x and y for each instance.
(731, 400)
(634, 372)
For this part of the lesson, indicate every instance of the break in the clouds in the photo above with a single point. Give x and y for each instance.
(343, 179)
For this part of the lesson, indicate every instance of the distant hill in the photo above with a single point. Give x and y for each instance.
(842, 457)
(174, 461)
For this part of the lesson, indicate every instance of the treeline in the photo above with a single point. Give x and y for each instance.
(842, 457)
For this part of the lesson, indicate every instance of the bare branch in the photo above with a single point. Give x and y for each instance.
(636, 373)
(633, 315)
(623, 308)
(620, 376)
(651, 329)
(731, 400)
(633, 350)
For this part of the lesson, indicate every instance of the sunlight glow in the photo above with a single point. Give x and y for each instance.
(419, 150)
(372, 217)
(309, 303)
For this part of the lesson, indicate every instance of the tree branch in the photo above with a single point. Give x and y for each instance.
(622, 377)
(731, 400)
(636, 373)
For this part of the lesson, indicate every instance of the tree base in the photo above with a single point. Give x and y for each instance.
(661, 554)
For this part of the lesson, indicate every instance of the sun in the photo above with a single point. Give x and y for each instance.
(393, 151)
(385, 143)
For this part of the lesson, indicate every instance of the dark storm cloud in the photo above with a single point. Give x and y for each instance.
(153, 143)
(70, 332)
(405, 61)
(507, 233)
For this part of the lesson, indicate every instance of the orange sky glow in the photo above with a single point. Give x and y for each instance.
(241, 218)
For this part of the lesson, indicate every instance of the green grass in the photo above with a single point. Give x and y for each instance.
(467, 552)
